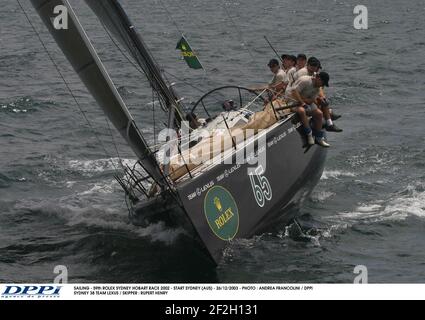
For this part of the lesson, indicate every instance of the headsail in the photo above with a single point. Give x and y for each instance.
(78, 49)
(113, 16)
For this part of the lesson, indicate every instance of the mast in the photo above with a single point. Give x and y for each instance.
(80, 52)
(116, 20)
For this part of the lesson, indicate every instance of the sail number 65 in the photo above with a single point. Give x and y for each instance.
(260, 186)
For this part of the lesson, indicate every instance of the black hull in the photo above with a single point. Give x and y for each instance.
(225, 202)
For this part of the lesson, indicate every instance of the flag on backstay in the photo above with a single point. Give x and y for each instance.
(188, 54)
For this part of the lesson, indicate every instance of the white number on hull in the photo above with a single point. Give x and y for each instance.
(260, 186)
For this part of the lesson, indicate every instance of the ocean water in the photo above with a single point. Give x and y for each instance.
(59, 204)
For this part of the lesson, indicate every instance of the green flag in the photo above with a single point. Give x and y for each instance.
(188, 55)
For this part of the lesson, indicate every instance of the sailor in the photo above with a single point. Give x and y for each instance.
(194, 121)
(229, 105)
(277, 83)
(279, 75)
(305, 91)
(301, 61)
(288, 62)
(328, 114)
(288, 65)
(313, 65)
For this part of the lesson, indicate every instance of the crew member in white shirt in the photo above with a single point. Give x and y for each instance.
(305, 91)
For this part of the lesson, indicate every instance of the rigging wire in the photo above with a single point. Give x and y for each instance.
(238, 30)
(179, 30)
(171, 17)
(135, 65)
(200, 22)
(67, 86)
(141, 71)
(138, 69)
(78, 104)
(229, 18)
(154, 76)
(153, 116)
(131, 61)
(239, 112)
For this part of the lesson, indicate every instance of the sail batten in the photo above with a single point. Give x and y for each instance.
(84, 59)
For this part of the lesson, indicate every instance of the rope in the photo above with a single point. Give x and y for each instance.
(67, 85)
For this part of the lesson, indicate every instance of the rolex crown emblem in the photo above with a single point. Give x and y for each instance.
(218, 205)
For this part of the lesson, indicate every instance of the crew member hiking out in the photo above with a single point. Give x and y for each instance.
(305, 91)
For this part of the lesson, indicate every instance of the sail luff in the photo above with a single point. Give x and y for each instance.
(116, 20)
(79, 51)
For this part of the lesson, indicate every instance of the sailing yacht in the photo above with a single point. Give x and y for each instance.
(216, 201)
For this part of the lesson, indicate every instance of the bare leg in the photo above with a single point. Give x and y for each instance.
(303, 116)
(318, 119)
(326, 113)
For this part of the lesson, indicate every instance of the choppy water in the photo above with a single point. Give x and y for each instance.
(59, 203)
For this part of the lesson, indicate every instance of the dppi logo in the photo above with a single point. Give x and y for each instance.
(30, 291)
